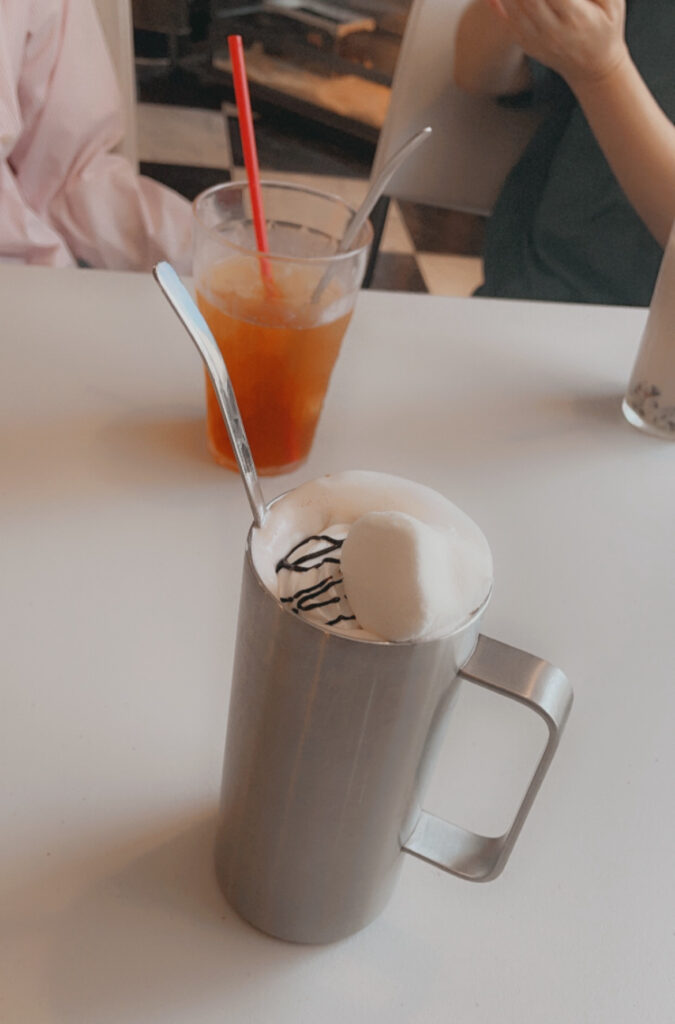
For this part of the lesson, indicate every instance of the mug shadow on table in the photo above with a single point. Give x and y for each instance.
(154, 932)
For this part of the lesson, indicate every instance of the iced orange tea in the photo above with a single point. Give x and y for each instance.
(280, 350)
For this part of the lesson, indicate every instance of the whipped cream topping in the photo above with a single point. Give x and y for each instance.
(298, 556)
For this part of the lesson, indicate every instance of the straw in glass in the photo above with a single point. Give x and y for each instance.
(243, 100)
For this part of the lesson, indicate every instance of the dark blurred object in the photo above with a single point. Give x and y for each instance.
(170, 17)
(328, 22)
(327, 37)
(165, 29)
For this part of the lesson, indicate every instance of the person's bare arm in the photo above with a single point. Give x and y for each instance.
(583, 40)
(488, 61)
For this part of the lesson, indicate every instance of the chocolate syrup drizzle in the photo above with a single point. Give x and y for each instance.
(323, 592)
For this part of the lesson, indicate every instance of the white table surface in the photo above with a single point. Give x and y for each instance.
(120, 555)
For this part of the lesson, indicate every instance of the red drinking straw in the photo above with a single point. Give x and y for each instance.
(241, 95)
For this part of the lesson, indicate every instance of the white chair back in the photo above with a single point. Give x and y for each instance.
(116, 22)
(475, 141)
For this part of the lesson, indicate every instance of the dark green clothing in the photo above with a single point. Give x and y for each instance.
(562, 228)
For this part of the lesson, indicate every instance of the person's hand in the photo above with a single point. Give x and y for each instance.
(583, 40)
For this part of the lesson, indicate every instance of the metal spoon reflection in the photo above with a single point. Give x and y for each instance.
(188, 313)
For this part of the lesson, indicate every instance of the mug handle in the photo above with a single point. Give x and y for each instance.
(541, 687)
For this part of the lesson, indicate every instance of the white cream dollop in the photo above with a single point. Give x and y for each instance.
(405, 580)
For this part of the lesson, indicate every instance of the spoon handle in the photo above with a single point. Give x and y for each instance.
(378, 186)
(376, 189)
(187, 311)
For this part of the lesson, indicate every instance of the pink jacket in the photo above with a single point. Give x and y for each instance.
(63, 195)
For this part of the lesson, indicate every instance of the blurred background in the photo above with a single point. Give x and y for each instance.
(319, 76)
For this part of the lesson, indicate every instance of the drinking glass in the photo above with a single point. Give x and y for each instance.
(280, 317)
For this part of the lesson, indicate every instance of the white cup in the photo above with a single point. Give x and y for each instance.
(649, 403)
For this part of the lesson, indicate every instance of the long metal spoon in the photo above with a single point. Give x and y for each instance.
(373, 194)
(184, 306)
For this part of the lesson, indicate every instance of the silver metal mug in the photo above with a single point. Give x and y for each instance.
(330, 742)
